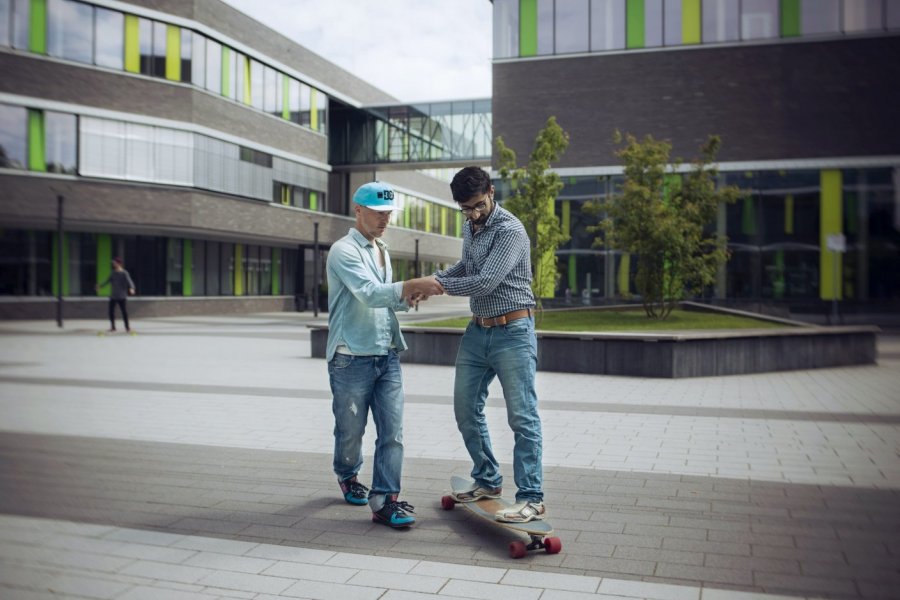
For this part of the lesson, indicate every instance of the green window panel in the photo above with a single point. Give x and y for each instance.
(38, 27)
(444, 212)
(634, 24)
(314, 109)
(790, 18)
(187, 268)
(238, 269)
(573, 275)
(567, 217)
(132, 44)
(313, 201)
(285, 98)
(173, 53)
(624, 278)
(427, 218)
(830, 222)
(247, 87)
(104, 262)
(276, 271)
(527, 27)
(37, 151)
(690, 21)
(226, 71)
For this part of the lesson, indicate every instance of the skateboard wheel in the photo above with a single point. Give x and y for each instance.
(552, 545)
(447, 502)
(517, 549)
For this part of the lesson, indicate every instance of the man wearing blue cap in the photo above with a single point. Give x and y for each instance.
(364, 340)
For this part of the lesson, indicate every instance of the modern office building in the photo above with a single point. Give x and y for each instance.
(805, 95)
(214, 155)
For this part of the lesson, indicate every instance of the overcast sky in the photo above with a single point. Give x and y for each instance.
(415, 50)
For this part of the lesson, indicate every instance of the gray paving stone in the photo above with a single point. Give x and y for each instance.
(742, 576)
(808, 585)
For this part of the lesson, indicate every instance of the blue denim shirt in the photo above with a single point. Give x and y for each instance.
(362, 299)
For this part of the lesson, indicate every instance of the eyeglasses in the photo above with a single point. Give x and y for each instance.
(480, 207)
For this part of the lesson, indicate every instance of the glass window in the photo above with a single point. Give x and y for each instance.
(893, 15)
(653, 23)
(21, 24)
(187, 52)
(226, 270)
(544, 27)
(13, 137)
(173, 156)
(145, 40)
(240, 70)
(304, 104)
(271, 89)
(506, 28)
(5, 22)
(213, 260)
(572, 31)
(174, 267)
(27, 269)
(607, 24)
(323, 112)
(102, 147)
(862, 15)
(720, 20)
(265, 271)
(109, 38)
(672, 24)
(214, 66)
(759, 19)
(256, 84)
(159, 49)
(294, 99)
(70, 30)
(138, 152)
(198, 59)
(820, 16)
(61, 142)
(198, 268)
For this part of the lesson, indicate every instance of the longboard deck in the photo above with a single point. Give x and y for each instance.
(488, 507)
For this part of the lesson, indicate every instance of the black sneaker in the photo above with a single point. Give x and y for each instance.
(394, 514)
(354, 492)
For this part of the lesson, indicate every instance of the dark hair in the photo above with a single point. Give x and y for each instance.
(118, 260)
(470, 182)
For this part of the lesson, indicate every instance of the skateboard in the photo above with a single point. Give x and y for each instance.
(540, 532)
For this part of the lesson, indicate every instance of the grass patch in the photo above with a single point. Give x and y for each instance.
(600, 320)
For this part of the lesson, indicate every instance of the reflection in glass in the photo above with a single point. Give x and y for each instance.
(271, 89)
(159, 49)
(145, 41)
(198, 59)
(13, 137)
(294, 99)
(862, 15)
(110, 42)
(672, 24)
(214, 66)
(506, 28)
(5, 22)
(61, 142)
(70, 30)
(544, 27)
(653, 23)
(820, 16)
(256, 84)
(759, 19)
(572, 34)
(720, 20)
(21, 24)
(187, 52)
(607, 24)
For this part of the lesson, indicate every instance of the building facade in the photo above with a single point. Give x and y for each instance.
(805, 95)
(196, 144)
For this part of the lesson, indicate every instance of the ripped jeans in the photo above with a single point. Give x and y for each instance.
(360, 384)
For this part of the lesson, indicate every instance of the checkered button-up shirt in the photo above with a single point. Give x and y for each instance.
(495, 270)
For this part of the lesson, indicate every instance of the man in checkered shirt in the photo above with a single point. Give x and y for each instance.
(495, 272)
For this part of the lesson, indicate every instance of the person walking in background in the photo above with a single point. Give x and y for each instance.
(495, 272)
(122, 287)
(364, 340)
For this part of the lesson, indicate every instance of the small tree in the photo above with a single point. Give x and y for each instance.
(660, 217)
(533, 196)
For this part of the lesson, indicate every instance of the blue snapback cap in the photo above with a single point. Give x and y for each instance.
(377, 196)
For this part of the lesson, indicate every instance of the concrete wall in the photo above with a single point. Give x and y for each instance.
(767, 101)
(669, 356)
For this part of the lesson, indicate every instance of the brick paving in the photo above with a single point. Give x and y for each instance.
(193, 461)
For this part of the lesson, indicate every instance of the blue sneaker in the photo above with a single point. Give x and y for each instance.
(354, 492)
(394, 514)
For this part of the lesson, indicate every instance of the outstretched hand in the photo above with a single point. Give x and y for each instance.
(422, 288)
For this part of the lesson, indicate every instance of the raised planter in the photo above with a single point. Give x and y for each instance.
(695, 354)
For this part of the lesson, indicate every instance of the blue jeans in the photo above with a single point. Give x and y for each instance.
(508, 352)
(360, 384)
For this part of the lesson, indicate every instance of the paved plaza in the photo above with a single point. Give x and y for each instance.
(192, 461)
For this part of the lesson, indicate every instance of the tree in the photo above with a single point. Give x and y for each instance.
(533, 197)
(660, 216)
